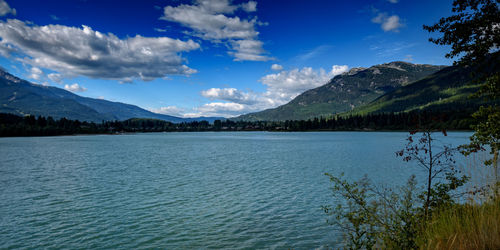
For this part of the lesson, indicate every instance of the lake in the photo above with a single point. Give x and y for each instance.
(186, 190)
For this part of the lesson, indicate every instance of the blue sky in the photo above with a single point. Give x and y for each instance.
(209, 57)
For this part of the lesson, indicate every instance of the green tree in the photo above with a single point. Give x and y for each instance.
(474, 35)
(438, 163)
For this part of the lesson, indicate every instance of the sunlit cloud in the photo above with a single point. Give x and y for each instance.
(276, 67)
(75, 87)
(388, 23)
(281, 88)
(72, 51)
(214, 20)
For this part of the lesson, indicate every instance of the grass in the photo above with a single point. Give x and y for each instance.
(474, 224)
(466, 226)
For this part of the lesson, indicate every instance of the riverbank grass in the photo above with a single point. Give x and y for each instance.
(465, 226)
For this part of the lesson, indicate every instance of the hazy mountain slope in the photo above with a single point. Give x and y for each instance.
(347, 91)
(21, 97)
(449, 88)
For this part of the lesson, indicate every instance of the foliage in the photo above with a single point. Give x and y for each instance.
(372, 217)
(474, 35)
(487, 130)
(358, 217)
(13, 125)
(472, 31)
(437, 163)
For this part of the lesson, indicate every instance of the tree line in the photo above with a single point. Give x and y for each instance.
(14, 125)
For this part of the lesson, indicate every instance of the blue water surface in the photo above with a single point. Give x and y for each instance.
(186, 190)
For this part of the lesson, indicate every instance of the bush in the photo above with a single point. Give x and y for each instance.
(374, 217)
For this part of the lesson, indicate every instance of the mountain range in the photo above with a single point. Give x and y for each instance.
(390, 87)
(347, 91)
(21, 97)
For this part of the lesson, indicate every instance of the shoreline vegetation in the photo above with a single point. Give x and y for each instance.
(438, 213)
(16, 126)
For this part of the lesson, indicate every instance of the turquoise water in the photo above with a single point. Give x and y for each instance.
(185, 190)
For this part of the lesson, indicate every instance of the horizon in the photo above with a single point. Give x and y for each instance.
(234, 58)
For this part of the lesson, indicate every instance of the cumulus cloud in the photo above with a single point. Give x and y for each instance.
(388, 23)
(276, 67)
(5, 9)
(36, 73)
(214, 20)
(74, 88)
(73, 51)
(230, 94)
(281, 88)
(226, 109)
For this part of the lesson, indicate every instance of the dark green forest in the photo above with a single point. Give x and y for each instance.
(13, 125)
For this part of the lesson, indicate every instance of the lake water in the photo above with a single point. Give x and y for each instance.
(185, 190)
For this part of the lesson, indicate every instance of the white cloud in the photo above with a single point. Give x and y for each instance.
(36, 73)
(6, 9)
(388, 23)
(74, 88)
(391, 24)
(276, 67)
(169, 110)
(393, 1)
(213, 20)
(57, 78)
(281, 88)
(251, 6)
(160, 30)
(74, 51)
(225, 109)
(230, 94)
(248, 50)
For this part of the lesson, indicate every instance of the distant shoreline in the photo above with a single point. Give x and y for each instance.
(226, 131)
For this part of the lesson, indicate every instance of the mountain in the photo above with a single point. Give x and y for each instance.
(347, 91)
(447, 89)
(21, 97)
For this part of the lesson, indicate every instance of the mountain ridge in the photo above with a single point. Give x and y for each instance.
(21, 97)
(346, 91)
(449, 88)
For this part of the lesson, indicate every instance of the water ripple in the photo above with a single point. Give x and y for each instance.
(182, 190)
